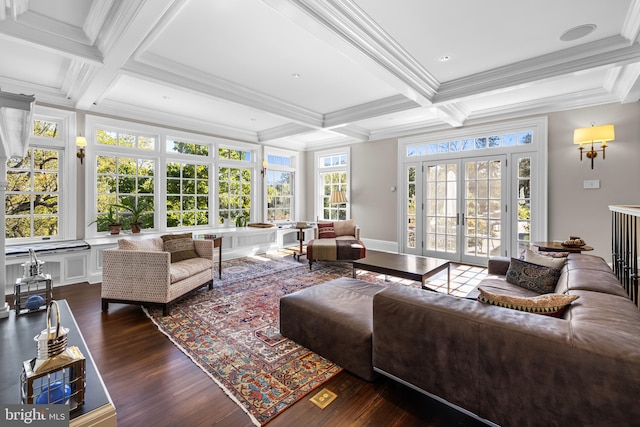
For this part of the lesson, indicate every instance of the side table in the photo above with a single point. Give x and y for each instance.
(558, 247)
(299, 253)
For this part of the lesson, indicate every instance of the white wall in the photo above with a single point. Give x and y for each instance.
(578, 211)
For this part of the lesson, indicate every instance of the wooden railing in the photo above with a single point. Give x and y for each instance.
(624, 232)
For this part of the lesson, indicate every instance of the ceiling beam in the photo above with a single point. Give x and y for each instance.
(361, 39)
(53, 36)
(624, 82)
(380, 107)
(131, 24)
(611, 51)
(290, 129)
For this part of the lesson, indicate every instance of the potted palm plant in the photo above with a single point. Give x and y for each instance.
(135, 211)
(108, 221)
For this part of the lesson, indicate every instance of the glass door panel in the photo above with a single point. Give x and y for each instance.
(441, 210)
(464, 225)
(483, 214)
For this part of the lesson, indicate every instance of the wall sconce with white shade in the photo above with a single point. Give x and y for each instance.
(81, 142)
(264, 167)
(592, 135)
(337, 197)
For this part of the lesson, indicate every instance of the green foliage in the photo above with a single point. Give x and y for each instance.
(106, 219)
(33, 188)
(136, 208)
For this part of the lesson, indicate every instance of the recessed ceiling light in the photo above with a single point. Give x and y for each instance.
(444, 58)
(165, 97)
(295, 75)
(578, 32)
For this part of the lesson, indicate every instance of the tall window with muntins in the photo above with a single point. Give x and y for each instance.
(411, 206)
(333, 181)
(187, 194)
(524, 203)
(333, 177)
(234, 185)
(279, 181)
(123, 177)
(33, 194)
(187, 186)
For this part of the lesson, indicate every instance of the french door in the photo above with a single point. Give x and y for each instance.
(464, 211)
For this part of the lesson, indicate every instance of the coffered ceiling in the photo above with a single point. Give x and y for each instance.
(311, 73)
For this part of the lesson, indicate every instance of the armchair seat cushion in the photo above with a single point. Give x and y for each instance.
(335, 249)
(189, 267)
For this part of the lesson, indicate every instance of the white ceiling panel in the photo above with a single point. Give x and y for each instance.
(250, 44)
(482, 35)
(31, 65)
(145, 94)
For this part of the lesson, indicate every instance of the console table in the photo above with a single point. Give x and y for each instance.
(17, 345)
(558, 247)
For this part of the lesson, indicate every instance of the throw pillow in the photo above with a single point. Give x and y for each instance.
(536, 258)
(153, 245)
(326, 230)
(539, 278)
(180, 246)
(345, 228)
(547, 304)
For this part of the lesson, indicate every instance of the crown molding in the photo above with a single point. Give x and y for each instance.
(547, 105)
(15, 8)
(624, 82)
(172, 73)
(357, 133)
(631, 27)
(160, 118)
(51, 36)
(96, 17)
(392, 104)
(455, 114)
(126, 29)
(583, 99)
(284, 131)
(611, 51)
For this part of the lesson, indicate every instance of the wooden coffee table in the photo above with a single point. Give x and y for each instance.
(405, 266)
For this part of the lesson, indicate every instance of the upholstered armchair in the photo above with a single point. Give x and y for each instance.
(335, 241)
(156, 271)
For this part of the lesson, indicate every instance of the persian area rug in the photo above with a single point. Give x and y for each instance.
(232, 333)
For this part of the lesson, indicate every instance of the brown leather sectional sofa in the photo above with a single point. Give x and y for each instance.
(507, 367)
(515, 368)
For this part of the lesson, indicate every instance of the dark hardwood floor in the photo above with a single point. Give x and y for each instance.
(152, 383)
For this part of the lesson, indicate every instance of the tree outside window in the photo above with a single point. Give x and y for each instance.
(32, 196)
(279, 195)
(234, 193)
(187, 194)
(125, 178)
